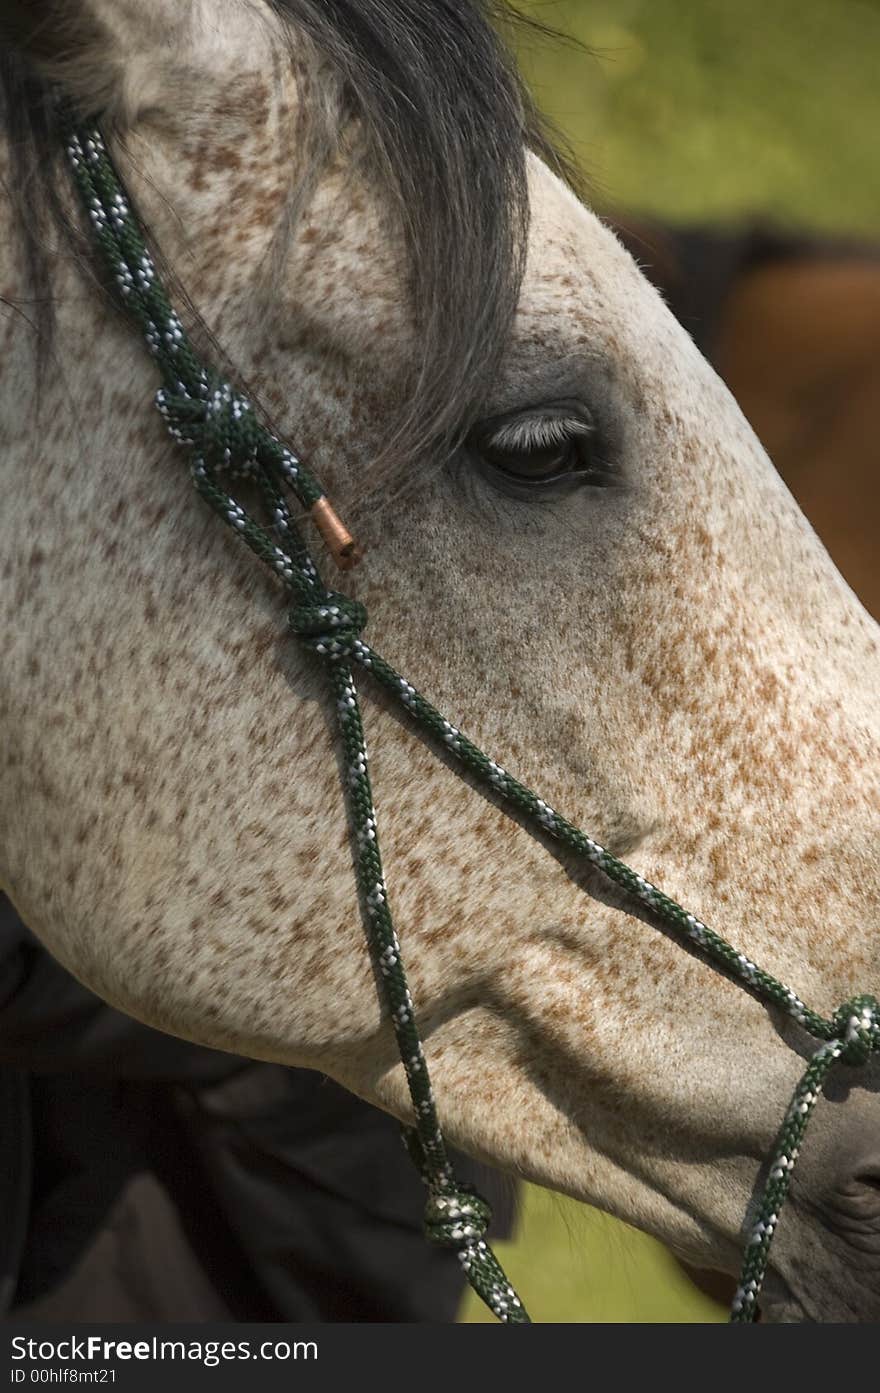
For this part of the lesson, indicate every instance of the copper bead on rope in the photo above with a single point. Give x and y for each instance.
(336, 536)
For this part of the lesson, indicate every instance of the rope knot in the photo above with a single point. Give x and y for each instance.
(331, 626)
(218, 423)
(456, 1218)
(857, 1026)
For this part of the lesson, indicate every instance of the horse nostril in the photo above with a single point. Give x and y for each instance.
(861, 1195)
(865, 1167)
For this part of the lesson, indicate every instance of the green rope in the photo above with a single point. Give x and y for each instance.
(220, 429)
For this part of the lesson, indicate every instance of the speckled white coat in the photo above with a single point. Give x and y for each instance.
(674, 664)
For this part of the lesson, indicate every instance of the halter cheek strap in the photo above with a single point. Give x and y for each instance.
(225, 439)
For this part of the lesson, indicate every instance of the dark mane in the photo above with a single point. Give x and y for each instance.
(446, 123)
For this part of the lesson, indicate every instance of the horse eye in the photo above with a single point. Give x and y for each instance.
(537, 450)
(538, 465)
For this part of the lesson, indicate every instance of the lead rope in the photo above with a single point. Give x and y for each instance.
(218, 426)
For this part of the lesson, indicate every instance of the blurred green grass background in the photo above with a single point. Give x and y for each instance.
(574, 1264)
(692, 110)
(716, 108)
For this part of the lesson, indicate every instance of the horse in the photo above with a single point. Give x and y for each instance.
(573, 539)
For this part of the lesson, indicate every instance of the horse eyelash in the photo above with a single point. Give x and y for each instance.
(537, 433)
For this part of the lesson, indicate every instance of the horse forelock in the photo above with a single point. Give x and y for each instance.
(443, 125)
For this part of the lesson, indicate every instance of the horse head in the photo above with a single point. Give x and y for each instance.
(576, 546)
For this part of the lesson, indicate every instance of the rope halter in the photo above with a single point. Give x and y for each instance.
(224, 436)
(331, 628)
(853, 1037)
(857, 1024)
(457, 1219)
(220, 425)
